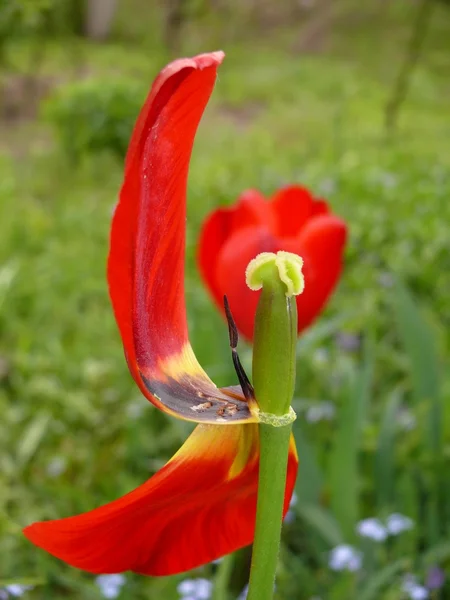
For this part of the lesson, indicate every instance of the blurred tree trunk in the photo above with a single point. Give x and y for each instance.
(99, 18)
(316, 30)
(176, 15)
(411, 59)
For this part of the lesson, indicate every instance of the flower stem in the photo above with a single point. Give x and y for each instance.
(222, 578)
(274, 447)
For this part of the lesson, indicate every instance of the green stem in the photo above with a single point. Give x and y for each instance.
(274, 448)
(222, 578)
(280, 277)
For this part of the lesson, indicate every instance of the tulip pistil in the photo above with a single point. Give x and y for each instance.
(288, 269)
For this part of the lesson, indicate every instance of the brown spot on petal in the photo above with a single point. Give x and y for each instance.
(201, 407)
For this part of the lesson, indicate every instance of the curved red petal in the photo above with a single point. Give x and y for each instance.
(146, 259)
(292, 207)
(232, 262)
(251, 209)
(152, 199)
(321, 244)
(198, 507)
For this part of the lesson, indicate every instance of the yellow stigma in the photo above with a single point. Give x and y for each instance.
(289, 266)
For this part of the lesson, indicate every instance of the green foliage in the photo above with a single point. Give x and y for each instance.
(343, 468)
(95, 115)
(409, 478)
(20, 19)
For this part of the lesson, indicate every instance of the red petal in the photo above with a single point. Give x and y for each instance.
(198, 507)
(251, 209)
(319, 207)
(292, 207)
(232, 262)
(146, 260)
(321, 245)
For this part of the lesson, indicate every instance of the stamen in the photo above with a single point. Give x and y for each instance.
(246, 386)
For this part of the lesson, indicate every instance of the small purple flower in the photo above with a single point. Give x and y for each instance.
(290, 515)
(414, 590)
(57, 466)
(195, 589)
(349, 342)
(328, 185)
(373, 529)
(243, 594)
(110, 585)
(435, 578)
(321, 356)
(388, 180)
(386, 280)
(345, 558)
(397, 523)
(406, 419)
(320, 411)
(14, 590)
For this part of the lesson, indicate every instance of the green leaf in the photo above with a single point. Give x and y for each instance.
(8, 273)
(420, 345)
(310, 478)
(319, 333)
(437, 554)
(343, 475)
(323, 522)
(377, 582)
(31, 438)
(31, 581)
(418, 341)
(385, 453)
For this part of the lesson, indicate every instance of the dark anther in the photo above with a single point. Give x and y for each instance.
(232, 329)
(246, 386)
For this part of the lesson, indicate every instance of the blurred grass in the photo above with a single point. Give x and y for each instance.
(71, 417)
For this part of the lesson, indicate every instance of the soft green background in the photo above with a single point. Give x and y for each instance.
(74, 430)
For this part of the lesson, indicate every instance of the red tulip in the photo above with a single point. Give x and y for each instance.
(292, 220)
(202, 503)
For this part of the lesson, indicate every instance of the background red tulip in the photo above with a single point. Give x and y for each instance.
(292, 220)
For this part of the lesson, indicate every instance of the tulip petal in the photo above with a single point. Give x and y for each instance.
(321, 245)
(320, 207)
(146, 259)
(239, 249)
(292, 207)
(250, 210)
(198, 507)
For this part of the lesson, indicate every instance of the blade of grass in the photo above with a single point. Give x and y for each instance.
(309, 482)
(31, 439)
(375, 584)
(323, 522)
(321, 332)
(343, 475)
(384, 455)
(420, 345)
(222, 578)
